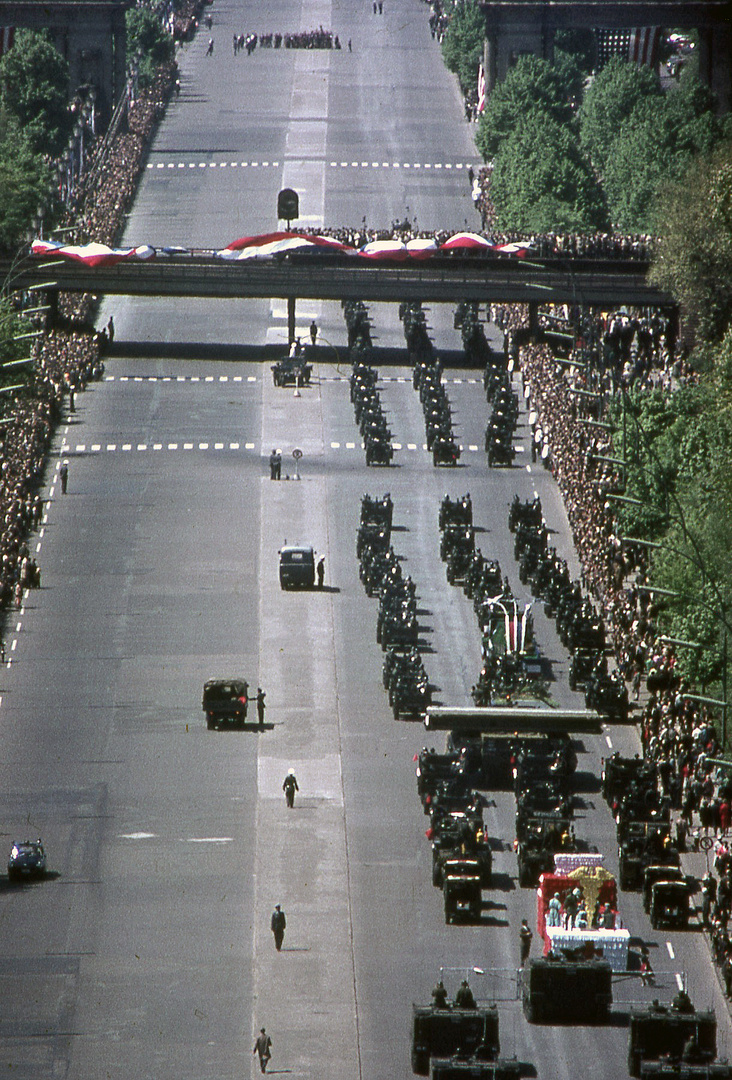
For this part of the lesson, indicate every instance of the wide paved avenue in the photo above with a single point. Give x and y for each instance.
(147, 953)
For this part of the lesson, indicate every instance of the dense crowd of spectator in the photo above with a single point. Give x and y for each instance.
(677, 732)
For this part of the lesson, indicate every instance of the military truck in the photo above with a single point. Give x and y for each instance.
(643, 844)
(671, 1035)
(666, 894)
(225, 701)
(462, 890)
(558, 990)
(540, 837)
(455, 838)
(292, 371)
(442, 1032)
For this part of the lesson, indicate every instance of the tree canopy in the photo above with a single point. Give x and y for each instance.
(462, 45)
(25, 181)
(34, 87)
(694, 256)
(541, 182)
(531, 87)
(148, 39)
(609, 102)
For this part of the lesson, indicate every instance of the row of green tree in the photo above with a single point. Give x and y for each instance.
(36, 119)
(573, 151)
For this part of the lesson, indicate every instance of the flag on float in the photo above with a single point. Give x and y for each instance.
(421, 247)
(481, 88)
(466, 241)
(277, 243)
(91, 254)
(643, 47)
(385, 249)
(517, 248)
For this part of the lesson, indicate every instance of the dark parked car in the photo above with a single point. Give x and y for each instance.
(297, 567)
(27, 859)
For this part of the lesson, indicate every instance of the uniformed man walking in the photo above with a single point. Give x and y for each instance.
(525, 936)
(275, 465)
(290, 786)
(263, 1047)
(260, 705)
(64, 475)
(279, 922)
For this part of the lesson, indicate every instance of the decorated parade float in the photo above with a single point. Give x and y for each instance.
(577, 910)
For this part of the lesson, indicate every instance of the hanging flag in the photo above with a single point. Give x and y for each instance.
(643, 48)
(481, 88)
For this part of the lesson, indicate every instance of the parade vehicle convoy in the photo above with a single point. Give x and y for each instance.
(225, 701)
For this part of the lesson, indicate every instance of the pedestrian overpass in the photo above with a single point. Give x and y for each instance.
(599, 282)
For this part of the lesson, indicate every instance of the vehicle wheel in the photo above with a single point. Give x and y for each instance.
(436, 875)
(209, 721)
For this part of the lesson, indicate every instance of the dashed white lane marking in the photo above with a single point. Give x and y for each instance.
(609, 741)
(255, 378)
(679, 981)
(161, 165)
(670, 948)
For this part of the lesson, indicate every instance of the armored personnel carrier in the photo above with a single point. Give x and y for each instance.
(556, 990)
(442, 1032)
(673, 1037)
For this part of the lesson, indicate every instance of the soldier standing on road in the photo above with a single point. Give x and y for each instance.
(290, 786)
(279, 922)
(64, 475)
(313, 331)
(260, 705)
(320, 569)
(263, 1047)
(275, 465)
(525, 936)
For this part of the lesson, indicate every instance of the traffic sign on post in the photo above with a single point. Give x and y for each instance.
(288, 205)
(297, 454)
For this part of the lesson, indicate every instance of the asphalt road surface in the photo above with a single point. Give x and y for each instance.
(147, 952)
